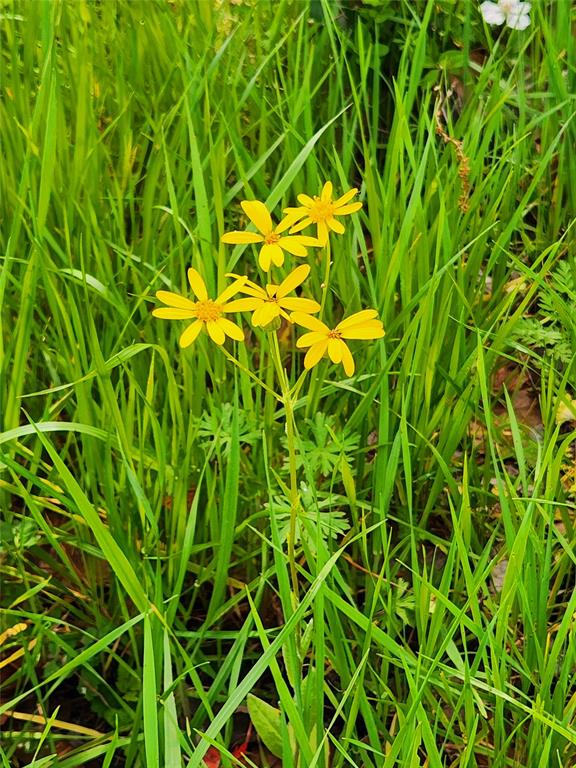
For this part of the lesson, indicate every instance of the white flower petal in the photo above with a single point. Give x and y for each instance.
(517, 20)
(492, 13)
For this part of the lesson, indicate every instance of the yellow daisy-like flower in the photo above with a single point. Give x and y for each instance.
(206, 312)
(322, 210)
(361, 325)
(272, 252)
(267, 305)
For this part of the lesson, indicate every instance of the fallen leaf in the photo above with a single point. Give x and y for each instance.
(212, 758)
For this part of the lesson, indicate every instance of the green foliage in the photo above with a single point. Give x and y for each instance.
(142, 487)
(266, 720)
(215, 429)
(553, 330)
(317, 516)
(323, 444)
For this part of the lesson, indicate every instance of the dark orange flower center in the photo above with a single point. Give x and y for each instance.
(271, 238)
(335, 334)
(321, 210)
(208, 310)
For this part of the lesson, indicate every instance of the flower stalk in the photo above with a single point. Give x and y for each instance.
(288, 402)
(326, 278)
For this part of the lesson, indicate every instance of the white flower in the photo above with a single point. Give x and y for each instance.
(512, 12)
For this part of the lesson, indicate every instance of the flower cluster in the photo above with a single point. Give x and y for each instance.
(268, 304)
(513, 12)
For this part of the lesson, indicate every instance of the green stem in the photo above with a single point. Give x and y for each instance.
(295, 391)
(326, 279)
(251, 375)
(317, 380)
(291, 439)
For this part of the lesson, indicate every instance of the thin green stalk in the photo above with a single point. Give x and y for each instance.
(254, 378)
(317, 380)
(291, 439)
(326, 281)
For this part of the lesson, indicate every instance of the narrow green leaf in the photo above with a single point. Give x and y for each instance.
(110, 549)
(266, 720)
(149, 697)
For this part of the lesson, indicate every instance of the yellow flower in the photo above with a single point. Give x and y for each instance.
(272, 252)
(206, 312)
(271, 303)
(362, 325)
(322, 210)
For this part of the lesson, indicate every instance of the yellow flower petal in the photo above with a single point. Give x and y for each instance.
(357, 318)
(294, 211)
(363, 332)
(173, 313)
(215, 332)
(312, 323)
(294, 279)
(190, 334)
(315, 353)
(326, 195)
(251, 289)
(289, 220)
(335, 350)
(293, 246)
(257, 314)
(265, 314)
(197, 284)
(270, 254)
(306, 200)
(264, 259)
(301, 225)
(310, 338)
(230, 328)
(308, 306)
(323, 232)
(258, 215)
(175, 300)
(375, 325)
(372, 324)
(240, 238)
(334, 225)
(346, 209)
(243, 305)
(345, 198)
(308, 241)
(347, 360)
(228, 292)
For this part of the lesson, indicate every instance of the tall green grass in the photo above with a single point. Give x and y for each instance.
(141, 485)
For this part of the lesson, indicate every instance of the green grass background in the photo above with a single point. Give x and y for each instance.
(141, 485)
